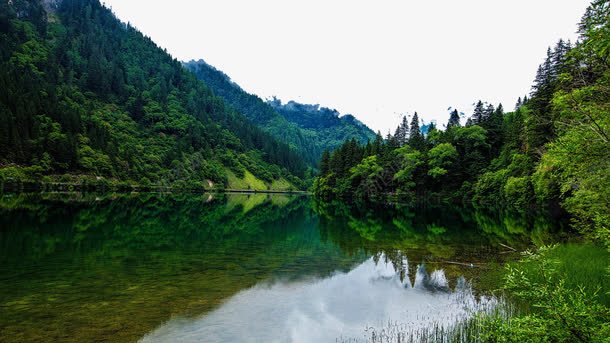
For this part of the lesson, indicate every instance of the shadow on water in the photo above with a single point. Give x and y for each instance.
(116, 267)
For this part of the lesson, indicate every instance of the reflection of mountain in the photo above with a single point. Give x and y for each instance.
(80, 267)
(124, 264)
(133, 222)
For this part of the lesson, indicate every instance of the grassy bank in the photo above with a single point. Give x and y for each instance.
(563, 295)
(32, 179)
(556, 294)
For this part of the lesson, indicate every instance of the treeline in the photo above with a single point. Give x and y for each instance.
(552, 151)
(84, 93)
(309, 129)
(326, 127)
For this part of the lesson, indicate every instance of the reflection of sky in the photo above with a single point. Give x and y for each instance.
(321, 310)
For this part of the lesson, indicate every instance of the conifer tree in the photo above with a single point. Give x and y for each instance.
(325, 163)
(377, 144)
(487, 113)
(416, 139)
(454, 119)
(477, 115)
(402, 132)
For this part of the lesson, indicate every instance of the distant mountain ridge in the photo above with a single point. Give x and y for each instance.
(310, 129)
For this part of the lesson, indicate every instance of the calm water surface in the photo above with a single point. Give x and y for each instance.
(240, 268)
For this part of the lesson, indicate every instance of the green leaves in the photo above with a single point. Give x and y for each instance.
(559, 309)
(440, 158)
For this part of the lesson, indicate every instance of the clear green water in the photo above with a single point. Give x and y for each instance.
(244, 268)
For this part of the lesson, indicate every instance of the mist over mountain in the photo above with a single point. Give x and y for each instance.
(310, 129)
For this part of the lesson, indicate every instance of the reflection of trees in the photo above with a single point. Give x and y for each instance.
(437, 231)
(513, 228)
(131, 261)
(45, 225)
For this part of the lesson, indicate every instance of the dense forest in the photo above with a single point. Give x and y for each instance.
(309, 129)
(85, 94)
(551, 152)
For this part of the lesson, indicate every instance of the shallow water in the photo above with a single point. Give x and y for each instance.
(242, 268)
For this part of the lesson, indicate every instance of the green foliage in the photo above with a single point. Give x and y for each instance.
(441, 158)
(488, 188)
(562, 287)
(365, 175)
(518, 192)
(409, 160)
(87, 94)
(311, 130)
(552, 151)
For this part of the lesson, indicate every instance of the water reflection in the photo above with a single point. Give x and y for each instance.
(118, 267)
(344, 305)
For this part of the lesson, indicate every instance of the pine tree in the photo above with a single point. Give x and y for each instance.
(398, 135)
(486, 116)
(325, 163)
(559, 57)
(416, 139)
(392, 141)
(454, 119)
(544, 74)
(402, 132)
(494, 127)
(518, 104)
(405, 130)
(377, 144)
(479, 112)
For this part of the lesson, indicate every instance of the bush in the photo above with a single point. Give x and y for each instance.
(517, 192)
(488, 188)
(563, 304)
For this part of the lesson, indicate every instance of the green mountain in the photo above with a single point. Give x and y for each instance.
(84, 94)
(310, 129)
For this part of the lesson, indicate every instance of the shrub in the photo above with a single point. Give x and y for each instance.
(517, 192)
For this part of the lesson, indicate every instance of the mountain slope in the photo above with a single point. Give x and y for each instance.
(84, 93)
(308, 128)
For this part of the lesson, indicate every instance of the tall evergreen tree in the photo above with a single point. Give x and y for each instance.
(325, 163)
(405, 130)
(402, 132)
(477, 115)
(454, 119)
(377, 145)
(487, 113)
(518, 104)
(416, 139)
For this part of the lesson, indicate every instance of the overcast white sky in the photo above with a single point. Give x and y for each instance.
(374, 59)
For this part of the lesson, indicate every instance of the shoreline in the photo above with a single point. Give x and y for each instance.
(35, 187)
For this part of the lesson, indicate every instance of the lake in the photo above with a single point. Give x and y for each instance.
(244, 267)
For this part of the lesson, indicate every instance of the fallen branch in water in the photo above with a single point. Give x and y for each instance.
(507, 247)
(472, 265)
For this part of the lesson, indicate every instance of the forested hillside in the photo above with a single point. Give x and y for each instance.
(326, 126)
(307, 128)
(85, 94)
(552, 151)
